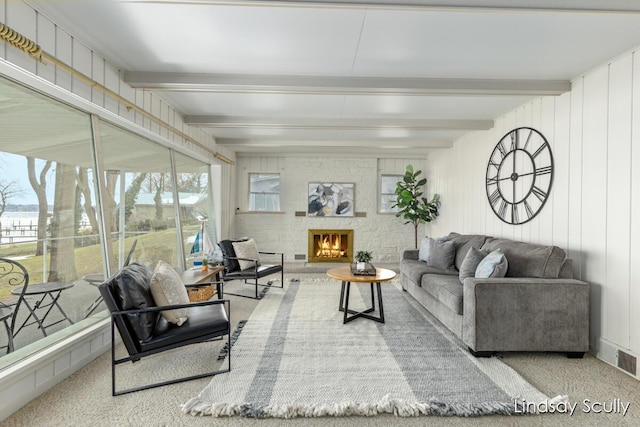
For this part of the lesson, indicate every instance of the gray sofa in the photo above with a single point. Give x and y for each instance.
(537, 306)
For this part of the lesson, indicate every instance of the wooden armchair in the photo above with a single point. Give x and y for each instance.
(145, 332)
(242, 261)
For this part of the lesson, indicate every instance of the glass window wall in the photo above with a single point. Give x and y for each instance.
(62, 226)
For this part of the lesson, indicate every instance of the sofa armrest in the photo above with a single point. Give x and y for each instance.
(410, 254)
(526, 314)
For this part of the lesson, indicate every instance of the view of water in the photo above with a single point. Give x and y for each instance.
(19, 227)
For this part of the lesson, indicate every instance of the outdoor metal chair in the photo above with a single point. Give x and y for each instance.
(12, 275)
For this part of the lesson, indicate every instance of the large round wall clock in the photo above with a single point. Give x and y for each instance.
(519, 175)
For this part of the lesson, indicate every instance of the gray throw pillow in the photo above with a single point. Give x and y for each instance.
(423, 253)
(493, 265)
(442, 254)
(470, 263)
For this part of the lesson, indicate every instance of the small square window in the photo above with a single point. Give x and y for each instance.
(264, 192)
(387, 199)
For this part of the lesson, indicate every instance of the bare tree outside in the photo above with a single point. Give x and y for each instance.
(7, 190)
(39, 185)
(84, 189)
(62, 267)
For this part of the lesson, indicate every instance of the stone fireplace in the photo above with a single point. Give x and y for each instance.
(330, 246)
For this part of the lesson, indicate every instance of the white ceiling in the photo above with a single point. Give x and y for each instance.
(383, 76)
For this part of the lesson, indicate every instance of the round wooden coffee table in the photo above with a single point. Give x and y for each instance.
(346, 277)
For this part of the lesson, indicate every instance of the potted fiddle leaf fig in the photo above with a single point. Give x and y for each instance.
(412, 206)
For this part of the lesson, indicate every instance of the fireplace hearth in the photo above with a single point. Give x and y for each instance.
(330, 246)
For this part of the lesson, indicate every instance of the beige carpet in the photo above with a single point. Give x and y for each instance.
(84, 399)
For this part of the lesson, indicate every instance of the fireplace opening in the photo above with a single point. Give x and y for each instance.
(330, 246)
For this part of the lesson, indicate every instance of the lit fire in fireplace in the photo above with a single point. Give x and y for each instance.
(330, 247)
(326, 245)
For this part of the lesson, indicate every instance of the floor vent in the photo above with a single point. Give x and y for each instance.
(627, 362)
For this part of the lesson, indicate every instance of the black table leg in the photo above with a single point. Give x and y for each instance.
(357, 314)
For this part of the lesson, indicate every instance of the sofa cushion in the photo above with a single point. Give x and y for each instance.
(131, 290)
(529, 259)
(228, 256)
(470, 263)
(415, 269)
(249, 250)
(167, 288)
(493, 265)
(425, 247)
(445, 288)
(463, 242)
(442, 254)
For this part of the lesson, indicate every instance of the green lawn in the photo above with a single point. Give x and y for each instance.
(88, 259)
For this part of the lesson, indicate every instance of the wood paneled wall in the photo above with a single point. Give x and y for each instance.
(594, 209)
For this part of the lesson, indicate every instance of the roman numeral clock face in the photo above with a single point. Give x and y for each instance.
(519, 175)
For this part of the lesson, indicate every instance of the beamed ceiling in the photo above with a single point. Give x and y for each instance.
(397, 78)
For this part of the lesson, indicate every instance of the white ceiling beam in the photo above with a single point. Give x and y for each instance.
(328, 85)
(315, 144)
(592, 6)
(336, 123)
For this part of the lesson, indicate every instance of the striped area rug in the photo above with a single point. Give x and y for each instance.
(295, 358)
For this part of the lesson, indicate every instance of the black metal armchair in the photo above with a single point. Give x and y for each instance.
(247, 264)
(13, 275)
(144, 332)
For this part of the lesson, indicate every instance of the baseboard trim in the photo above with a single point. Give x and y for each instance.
(618, 357)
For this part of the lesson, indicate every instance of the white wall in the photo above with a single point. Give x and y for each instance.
(594, 210)
(384, 234)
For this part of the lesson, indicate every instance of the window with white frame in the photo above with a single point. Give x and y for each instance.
(388, 185)
(264, 192)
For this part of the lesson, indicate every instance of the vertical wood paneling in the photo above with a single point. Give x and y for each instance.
(634, 214)
(560, 189)
(111, 81)
(618, 197)
(21, 18)
(3, 18)
(64, 53)
(46, 38)
(594, 181)
(82, 62)
(97, 74)
(544, 221)
(575, 177)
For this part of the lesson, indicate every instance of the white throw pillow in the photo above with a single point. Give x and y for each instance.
(493, 265)
(425, 245)
(167, 288)
(246, 249)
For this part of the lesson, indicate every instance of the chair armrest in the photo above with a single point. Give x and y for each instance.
(170, 307)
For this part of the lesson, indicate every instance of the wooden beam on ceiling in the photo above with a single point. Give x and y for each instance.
(349, 85)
